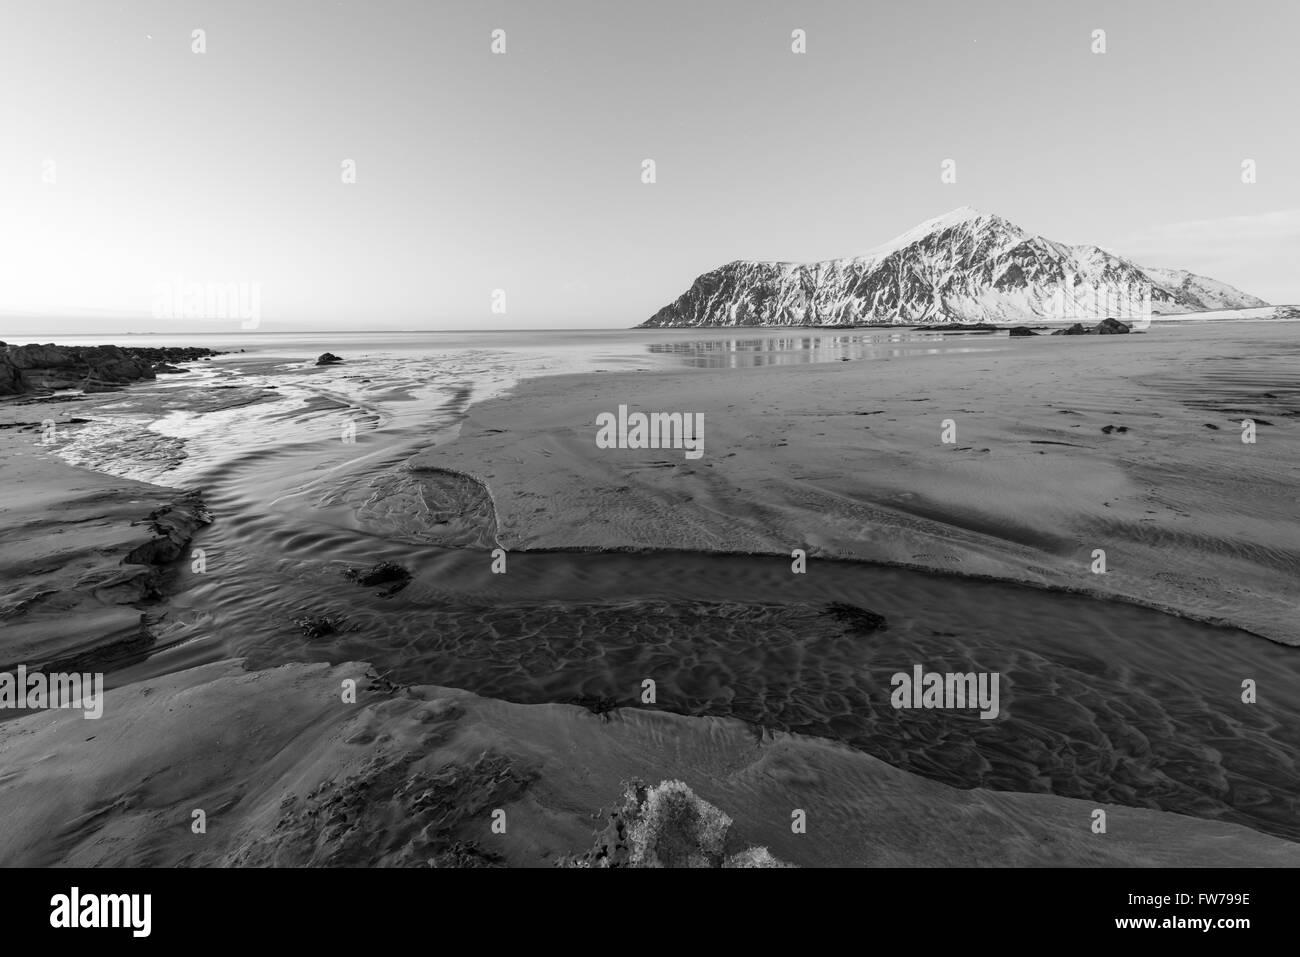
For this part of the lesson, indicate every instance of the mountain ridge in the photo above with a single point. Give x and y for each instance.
(965, 265)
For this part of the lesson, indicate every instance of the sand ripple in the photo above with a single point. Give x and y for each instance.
(1077, 725)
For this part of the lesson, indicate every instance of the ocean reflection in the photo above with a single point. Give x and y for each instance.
(747, 351)
(522, 353)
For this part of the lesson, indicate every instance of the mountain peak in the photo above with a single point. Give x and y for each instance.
(954, 216)
(961, 216)
(973, 219)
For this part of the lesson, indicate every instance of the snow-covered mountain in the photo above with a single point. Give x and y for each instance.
(964, 266)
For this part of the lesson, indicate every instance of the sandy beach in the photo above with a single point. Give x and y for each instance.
(78, 553)
(290, 776)
(1127, 444)
(438, 436)
(520, 691)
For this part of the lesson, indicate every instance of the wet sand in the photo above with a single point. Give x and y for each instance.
(1110, 705)
(76, 582)
(846, 460)
(287, 774)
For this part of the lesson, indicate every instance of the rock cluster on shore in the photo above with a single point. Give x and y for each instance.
(1107, 327)
(147, 567)
(959, 327)
(47, 367)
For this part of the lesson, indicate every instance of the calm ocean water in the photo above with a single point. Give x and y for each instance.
(577, 349)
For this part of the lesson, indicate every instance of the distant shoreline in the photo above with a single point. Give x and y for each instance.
(1283, 313)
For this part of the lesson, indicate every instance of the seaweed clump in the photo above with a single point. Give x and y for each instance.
(390, 574)
(858, 619)
(320, 626)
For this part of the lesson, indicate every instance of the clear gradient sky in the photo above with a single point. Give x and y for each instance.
(522, 171)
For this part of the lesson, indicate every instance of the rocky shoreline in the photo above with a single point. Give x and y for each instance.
(36, 369)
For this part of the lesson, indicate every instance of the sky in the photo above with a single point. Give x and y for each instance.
(134, 169)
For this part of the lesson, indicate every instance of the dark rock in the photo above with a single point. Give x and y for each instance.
(1075, 330)
(1111, 327)
(173, 526)
(385, 573)
(328, 359)
(11, 380)
(148, 568)
(47, 367)
(36, 356)
(960, 327)
(1022, 331)
(320, 626)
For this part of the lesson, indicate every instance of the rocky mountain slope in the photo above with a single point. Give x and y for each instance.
(965, 266)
